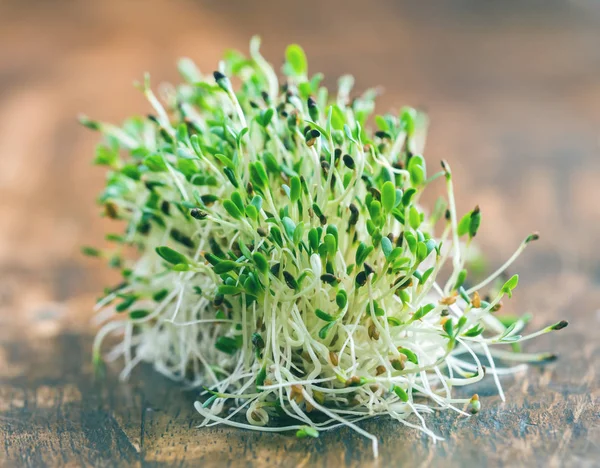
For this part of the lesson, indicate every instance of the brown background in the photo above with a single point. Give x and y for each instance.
(513, 92)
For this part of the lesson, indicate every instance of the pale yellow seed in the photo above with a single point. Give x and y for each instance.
(476, 301)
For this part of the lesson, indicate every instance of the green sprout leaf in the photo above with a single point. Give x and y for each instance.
(460, 280)
(362, 252)
(341, 298)
(296, 58)
(261, 262)
(422, 312)
(386, 247)
(324, 316)
(414, 218)
(226, 289)
(510, 285)
(400, 393)
(295, 189)
(225, 266)
(388, 196)
(172, 256)
(474, 222)
(474, 331)
(307, 431)
(91, 251)
(412, 357)
(325, 330)
(227, 345)
(260, 378)
(138, 314)
(463, 224)
(232, 209)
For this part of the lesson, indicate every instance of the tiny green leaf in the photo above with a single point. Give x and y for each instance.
(412, 357)
(388, 196)
(239, 202)
(265, 117)
(225, 266)
(341, 298)
(251, 212)
(422, 312)
(510, 285)
(307, 431)
(325, 330)
(260, 378)
(474, 331)
(474, 222)
(337, 118)
(138, 314)
(421, 251)
(261, 262)
(324, 315)
(226, 344)
(400, 393)
(226, 289)
(172, 256)
(232, 209)
(91, 251)
(288, 226)
(463, 224)
(126, 304)
(407, 197)
(330, 244)
(258, 175)
(448, 327)
(362, 252)
(414, 218)
(462, 276)
(386, 247)
(296, 58)
(295, 189)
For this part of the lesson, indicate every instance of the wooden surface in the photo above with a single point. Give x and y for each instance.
(513, 91)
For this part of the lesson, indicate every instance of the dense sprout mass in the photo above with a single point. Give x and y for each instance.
(282, 260)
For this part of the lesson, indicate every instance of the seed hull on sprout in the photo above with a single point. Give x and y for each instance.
(284, 261)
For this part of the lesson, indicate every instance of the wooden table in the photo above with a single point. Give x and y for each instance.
(513, 91)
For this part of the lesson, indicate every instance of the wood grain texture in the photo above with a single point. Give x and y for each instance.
(513, 92)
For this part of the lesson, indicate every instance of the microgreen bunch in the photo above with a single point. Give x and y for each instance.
(284, 262)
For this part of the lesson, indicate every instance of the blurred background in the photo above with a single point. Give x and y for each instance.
(512, 89)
